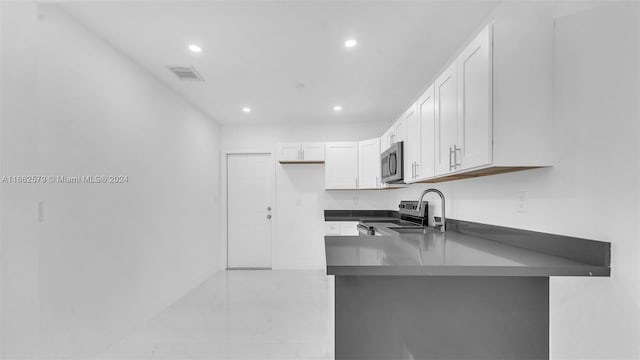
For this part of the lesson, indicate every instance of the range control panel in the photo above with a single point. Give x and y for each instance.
(411, 208)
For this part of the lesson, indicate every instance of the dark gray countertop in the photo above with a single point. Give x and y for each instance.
(455, 253)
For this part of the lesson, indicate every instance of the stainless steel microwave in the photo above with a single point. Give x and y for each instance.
(391, 164)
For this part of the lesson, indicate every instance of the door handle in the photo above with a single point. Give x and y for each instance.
(417, 173)
(455, 156)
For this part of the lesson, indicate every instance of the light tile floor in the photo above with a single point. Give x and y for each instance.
(239, 314)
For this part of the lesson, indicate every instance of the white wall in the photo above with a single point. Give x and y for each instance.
(300, 196)
(106, 256)
(591, 192)
(19, 150)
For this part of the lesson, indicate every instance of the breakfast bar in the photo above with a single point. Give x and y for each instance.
(475, 291)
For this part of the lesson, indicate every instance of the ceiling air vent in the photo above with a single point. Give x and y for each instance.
(187, 73)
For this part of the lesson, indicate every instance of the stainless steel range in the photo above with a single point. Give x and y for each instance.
(411, 216)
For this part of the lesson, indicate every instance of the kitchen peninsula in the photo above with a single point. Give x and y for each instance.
(475, 291)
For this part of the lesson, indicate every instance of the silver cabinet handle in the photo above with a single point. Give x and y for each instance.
(377, 182)
(456, 162)
(357, 187)
(413, 170)
(451, 153)
(416, 171)
(300, 156)
(269, 216)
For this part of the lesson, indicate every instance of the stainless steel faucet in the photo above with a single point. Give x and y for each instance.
(443, 220)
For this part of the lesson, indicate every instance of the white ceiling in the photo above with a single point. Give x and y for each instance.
(254, 53)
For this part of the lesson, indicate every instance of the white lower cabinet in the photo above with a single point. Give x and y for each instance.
(369, 164)
(341, 165)
(340, 228)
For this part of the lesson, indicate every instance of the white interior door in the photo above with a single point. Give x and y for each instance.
(249, 205)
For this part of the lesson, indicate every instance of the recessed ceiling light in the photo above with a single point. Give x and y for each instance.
(246, 109)
(195, 48)
(350, 43)
(337, 108)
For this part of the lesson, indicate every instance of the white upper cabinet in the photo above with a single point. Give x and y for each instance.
(312, 152)
(288, 152)
(396, 133)
(385, 141)
(474, 143)
(412, 143)
(446, 106)
(421, 128)
(341, 165)
(491, 110)
(398, 130)
(300, 152)
(369, 164)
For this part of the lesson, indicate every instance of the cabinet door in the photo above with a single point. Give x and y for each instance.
(385, 141)
(369, 164)
(475, 94)
(446, 96)
(426, 114)
(411, 151)
(288, 152)
(341, 165)
(312, 151)
(332, 228)
(349, 228)
(398, 130)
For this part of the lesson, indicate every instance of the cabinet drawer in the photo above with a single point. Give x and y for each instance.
(332, 228)
(344, 228)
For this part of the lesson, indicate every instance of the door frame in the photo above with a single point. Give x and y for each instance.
(224, 231)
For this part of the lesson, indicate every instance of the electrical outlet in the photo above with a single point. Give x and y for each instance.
(523, 202)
